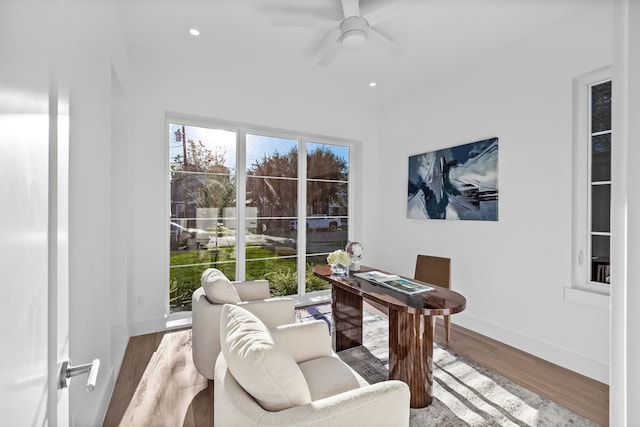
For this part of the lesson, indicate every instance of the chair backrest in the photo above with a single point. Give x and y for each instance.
(434, 270)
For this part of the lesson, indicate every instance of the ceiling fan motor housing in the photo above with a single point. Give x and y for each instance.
(354, 32)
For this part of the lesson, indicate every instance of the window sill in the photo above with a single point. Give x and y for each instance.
(587, 297)
(178, 320)
(182, 319)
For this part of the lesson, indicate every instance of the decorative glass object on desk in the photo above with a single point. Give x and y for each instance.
(339, 269)
(339, 261)
(354, 249)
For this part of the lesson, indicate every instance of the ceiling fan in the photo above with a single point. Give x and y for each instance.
(354, 31)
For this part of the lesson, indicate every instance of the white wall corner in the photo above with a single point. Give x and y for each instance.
(119, 342)
(147, 326)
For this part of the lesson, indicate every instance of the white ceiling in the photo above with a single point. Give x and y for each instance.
(437, 35)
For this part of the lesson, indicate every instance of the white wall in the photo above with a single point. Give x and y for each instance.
(625, 200)
(163, 86)
(513, 271)
(96, 274)
(520, 94)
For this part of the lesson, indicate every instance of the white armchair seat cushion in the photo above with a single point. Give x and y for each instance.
(218, 288)
(262, 367)
(328, 376)
(304, 341)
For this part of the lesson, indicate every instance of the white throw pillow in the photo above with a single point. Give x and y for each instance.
(218, 288)
(262, 367)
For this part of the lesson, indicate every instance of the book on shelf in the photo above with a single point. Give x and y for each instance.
(393, 281)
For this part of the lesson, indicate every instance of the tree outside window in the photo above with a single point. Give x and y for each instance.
(204, 212)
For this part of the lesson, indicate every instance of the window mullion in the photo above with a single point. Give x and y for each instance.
(241, 211)
(302, 216)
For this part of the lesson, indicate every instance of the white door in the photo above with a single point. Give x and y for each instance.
(33, 218)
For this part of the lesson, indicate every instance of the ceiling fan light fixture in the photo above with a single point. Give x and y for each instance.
(354, 39)
(354, 32)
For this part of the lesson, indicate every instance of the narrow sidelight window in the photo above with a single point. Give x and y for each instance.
(600, 181)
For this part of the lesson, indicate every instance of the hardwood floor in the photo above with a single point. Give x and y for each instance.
(576, 392)
(580, 394)
(158, 384)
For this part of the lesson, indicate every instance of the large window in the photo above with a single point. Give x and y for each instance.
(245, 220)
(327, 189)
(202, 169)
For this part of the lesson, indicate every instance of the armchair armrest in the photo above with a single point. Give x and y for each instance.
(250, 290)
(305, 340)
(381, 404)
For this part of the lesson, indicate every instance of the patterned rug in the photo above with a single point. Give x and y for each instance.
(465, 393)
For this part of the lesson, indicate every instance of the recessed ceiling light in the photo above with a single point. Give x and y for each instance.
(194, 32)
(372, 84)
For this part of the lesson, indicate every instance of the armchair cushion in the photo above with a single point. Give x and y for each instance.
(261, 366)
(218, 288)
(328, 376)
(305, 340)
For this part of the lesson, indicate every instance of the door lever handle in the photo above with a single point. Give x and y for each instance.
(67, 371)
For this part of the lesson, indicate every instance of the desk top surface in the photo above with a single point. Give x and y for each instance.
(439, 301)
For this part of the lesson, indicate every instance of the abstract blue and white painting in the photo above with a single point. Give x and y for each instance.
(457, 183)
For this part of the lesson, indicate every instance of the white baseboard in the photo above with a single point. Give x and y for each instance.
(106, 398)
(148, 326)
(550, 352)
(553, 353)
(183, 319)
(119, 342)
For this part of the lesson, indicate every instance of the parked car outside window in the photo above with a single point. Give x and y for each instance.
(319, 222)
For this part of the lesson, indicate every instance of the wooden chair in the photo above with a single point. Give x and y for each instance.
(437, 271)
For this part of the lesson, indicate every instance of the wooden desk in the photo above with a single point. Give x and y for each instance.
(410, 325)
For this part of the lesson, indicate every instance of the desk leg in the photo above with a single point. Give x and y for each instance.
(411, 354)
(346, 309)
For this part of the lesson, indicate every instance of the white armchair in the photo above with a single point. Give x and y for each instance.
(289, 376)
(207, 302)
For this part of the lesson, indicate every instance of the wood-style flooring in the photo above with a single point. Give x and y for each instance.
(580, 394)
(158, 384)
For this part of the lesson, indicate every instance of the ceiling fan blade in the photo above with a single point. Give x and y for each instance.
(389, 8)
(350, 8)
(286, 21)
(383, 42)
(331, 49)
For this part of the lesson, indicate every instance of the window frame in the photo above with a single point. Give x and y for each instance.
(302, 191)
(242, 130)
(582, 290)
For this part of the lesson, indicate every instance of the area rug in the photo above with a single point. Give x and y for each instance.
(465, 393)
